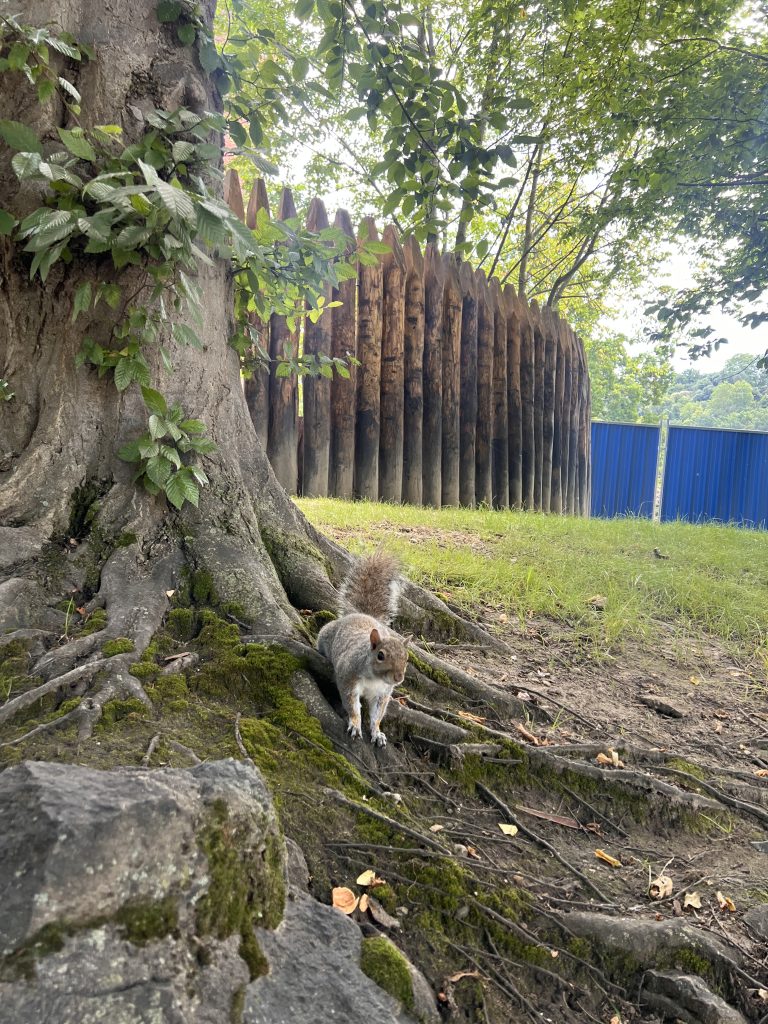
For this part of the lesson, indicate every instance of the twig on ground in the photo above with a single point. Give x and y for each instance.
(150, 751)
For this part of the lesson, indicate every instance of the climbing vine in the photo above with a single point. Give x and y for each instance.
(142, 207)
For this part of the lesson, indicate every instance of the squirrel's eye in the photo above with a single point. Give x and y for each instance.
(380, 656)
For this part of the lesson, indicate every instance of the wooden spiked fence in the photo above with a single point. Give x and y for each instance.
(465, 393)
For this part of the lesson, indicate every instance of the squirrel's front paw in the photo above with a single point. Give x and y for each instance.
(379, 739)
(354, 731)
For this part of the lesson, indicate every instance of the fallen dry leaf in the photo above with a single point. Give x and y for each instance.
(721, 714)
(363, 904)
(175, 657)
(718, 727)
(554, 953)
(366, 878)
(608, 859)
(472, 852)
(463, 974)
(762, 993)
(344, 900)
(380, 916)
(472, 718)
(660, 887)
(528, 735)
(726, 903)
(508, 830)
(170, 593)
(556, 819)
(523, 695)
(616, 1019)
(436, 828)
(612, 758)
(692, 900)
(598, 602)
(762, 773)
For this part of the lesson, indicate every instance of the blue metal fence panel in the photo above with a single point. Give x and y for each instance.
(624, 457)
(716, 475)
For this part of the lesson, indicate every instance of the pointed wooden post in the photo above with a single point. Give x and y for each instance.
(468, 421)
(369, 327)
(452, 306)
(392, 370)
(343, 389)
(527, 401)
(500, 435)
(485, 338)
(538, 400)
(282, 443)
(556, 496)
(233, 194)
(514, 400)
(566, 418)
(584, 431)
(257, 386)
(414, 373)
(550, 363)
(432, 446)
(317, 390)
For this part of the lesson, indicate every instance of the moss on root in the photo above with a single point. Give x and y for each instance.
(384, 964)
(120, 645)
(245, 890)
(115, 711)
(95, 622)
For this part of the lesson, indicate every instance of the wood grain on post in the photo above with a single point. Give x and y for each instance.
(341, 469)
(550, 366)
(468, 386)
(566, 418)
(485, 339)
(500, 428)
(514, 400)
(538, 400)
(282, 443)
(584, 432)
(573, 435)
(317, 390)
(556, 497)
(369, 328)
(414, 370)
(257, 386)
(527, 400)
(432, 441)
(452, 307)
(233, 193)
(392, 370)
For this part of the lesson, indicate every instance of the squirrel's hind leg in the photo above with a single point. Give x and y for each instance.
(351, 701)
(377, 710)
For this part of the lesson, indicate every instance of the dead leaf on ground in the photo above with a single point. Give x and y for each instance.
(523, 695)
(762, 993)
(175, 657)
(527, 735)
(660, 887)
(598, 602)
(608, 859)
(170, 593)
(472, 852)
(726, 903)
(692, 901)
(472, 718)
(436, 828)
(556, 819)
(508, 830)
(762, 773)
(718, 727)
(616, 1019)
(366, 877)
(344, 900)
(611, 758)
(463, 974)
(380, 915)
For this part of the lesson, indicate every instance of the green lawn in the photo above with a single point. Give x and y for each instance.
(714, 580)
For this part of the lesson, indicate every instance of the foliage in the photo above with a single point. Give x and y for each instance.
(143, 214)
(626, 387)
(736, 397)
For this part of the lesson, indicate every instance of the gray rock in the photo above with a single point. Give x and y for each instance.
(24, 604)
(757, 920)
(314, 961)
(84, 851)
(686, 997)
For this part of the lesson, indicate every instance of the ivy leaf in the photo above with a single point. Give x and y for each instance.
(82, 301)
(154, 401)
(77, 144)
(20, 137)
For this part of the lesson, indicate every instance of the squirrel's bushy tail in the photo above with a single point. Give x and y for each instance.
(372, 586)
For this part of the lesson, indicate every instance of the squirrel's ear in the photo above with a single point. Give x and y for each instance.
(375, 638)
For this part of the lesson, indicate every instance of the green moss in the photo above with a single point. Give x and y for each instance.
(144, 669)
(237, 1006)
(95, 622)
(681, 765)
(115, 711)
(170, 692)
(386, 896)
(245, 890)
(84, 507)
(121, 645)
(435, 674)
(315, 622)
(383, 962)
(201, 588)
(21, 963)
(147, 922)
(182, 623)
(69, 705)
(125, 540)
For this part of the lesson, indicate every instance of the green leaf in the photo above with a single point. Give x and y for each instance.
(26, 165)
(125, 373)
(82, 301)
(180, 488)
(20, 137)
(300, 68)
(77, 144)
(192, 426)
(186, 336)
(186, 34)
(158, 470)
(70, 90)
(168, 10)
(176, 201)
(182, 151)
(304, 8)
(7, 222)
(130, 452)
(154, 401)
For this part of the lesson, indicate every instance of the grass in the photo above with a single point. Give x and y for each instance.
(714, 579)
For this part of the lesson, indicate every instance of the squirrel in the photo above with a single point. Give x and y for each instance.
(368, 657)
